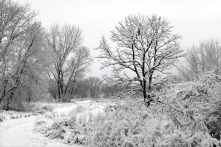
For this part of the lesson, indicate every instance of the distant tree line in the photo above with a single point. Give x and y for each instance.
(91, 87)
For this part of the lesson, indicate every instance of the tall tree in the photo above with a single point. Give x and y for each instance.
(22, 53)
(145, 46)
(70, 59)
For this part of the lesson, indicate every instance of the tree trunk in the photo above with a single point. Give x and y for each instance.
(149, 86)
(147, 96)
(58, 86)
(29, 95)
(61, 87)
(145, 91)
(9, 100)
(4, 90)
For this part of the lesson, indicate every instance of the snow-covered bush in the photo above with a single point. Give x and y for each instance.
(7, 115)
(42, 109)
(80, 109)
(40, 122)
(194, 106)
(48, 108)
(111, 108)
(125, 126)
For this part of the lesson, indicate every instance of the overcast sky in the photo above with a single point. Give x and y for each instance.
(194, 20)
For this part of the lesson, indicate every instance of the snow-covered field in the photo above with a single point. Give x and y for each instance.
(18, 129)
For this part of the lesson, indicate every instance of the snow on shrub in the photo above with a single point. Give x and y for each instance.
(7, 115)
(80, 109)
(48, 108)
(194, 106)
(39, 109)
(111, 108)
(127, 125)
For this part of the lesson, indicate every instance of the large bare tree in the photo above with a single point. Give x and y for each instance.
(70, 59)
(145, 46)
(22, 53)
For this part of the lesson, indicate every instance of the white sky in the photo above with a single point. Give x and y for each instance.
(194, 20)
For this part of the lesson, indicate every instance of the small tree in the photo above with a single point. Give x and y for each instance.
(145, 46)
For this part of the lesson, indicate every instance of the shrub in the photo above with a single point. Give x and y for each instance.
(80, 109)
(48, 108)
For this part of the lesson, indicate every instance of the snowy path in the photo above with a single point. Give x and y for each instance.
(19, 133)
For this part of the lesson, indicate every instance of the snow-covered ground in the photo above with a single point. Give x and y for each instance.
(20, 132)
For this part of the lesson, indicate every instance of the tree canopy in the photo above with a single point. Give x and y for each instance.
(146, 46)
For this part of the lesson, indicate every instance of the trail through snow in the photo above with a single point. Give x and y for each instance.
(20, 133)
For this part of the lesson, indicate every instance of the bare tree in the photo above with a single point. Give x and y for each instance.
(144, 46)
(22, 53)
(201, 59)
(70, 60)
